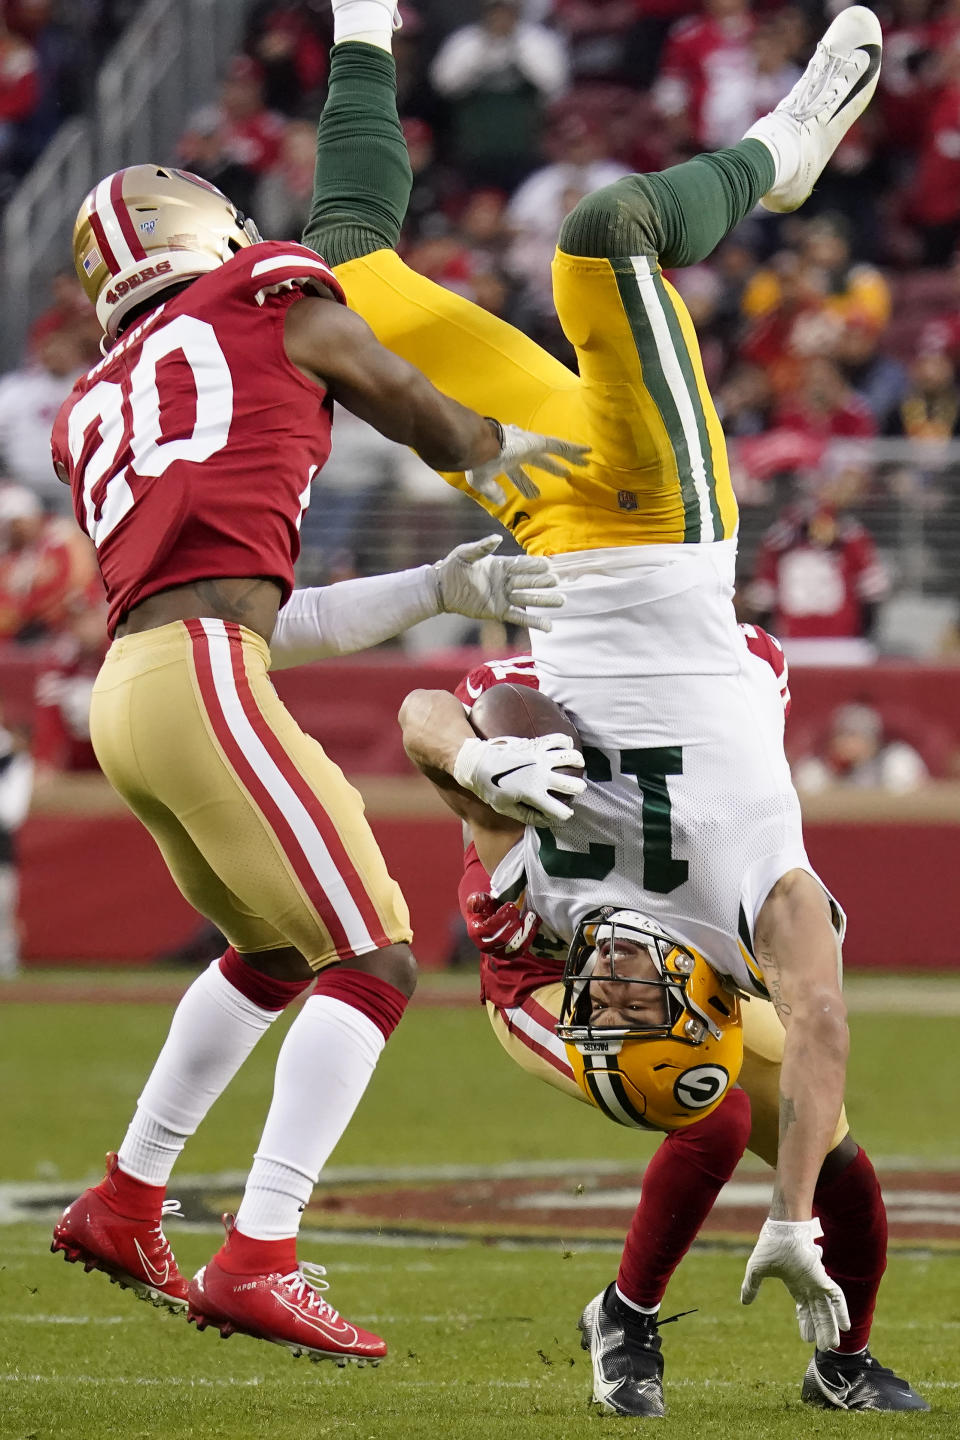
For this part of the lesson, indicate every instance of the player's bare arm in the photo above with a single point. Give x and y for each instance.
(518, 777)
(434, 728)
(796, 947)
(339, 350)
(797, 950)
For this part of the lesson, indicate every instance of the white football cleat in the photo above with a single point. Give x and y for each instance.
(833, 92)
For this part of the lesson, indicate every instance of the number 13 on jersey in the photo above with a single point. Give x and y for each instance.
(663, 872)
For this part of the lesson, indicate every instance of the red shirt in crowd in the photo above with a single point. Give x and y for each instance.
(40, 581)
(61, 715)
(935, 197)
(19, 84)
(850, 418)
(705, 56)
(906, 95)
(191, 448)
(816, 574)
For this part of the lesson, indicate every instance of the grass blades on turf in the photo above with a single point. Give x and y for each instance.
(483, 1345)
(483, 1339)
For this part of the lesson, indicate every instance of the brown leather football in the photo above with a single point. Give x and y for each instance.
(519, 710)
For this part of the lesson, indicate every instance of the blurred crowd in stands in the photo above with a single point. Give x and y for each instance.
(48, 51)
(820, 332)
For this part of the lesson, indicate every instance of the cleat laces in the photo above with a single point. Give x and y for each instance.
(826, 79)
(169, 1209)
(305, 1285)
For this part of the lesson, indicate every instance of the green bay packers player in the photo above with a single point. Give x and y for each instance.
(647, 655)
(604, 1003)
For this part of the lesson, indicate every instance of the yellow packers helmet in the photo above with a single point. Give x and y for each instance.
(656, 1050)
(148, 227)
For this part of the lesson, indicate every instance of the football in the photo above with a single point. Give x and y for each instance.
(520, 710)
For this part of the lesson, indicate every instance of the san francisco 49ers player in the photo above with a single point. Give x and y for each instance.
(537, 871)
(191, 449)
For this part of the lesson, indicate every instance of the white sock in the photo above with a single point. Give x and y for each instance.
(641, 1309)
(323, 1068)
(212, 1032)
(780, 133)
(367, 20)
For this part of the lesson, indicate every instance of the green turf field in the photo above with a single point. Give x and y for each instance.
(483, 1339)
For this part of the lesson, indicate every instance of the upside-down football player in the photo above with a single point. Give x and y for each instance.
(191, 449)
(646, 654)
(589, 993)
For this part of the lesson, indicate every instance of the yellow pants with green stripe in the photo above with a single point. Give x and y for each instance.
(658, 471)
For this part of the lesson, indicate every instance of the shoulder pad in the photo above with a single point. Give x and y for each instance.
(274, 266)
(767, 647)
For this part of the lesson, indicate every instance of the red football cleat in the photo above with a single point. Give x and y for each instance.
(133, 1252)
(284, 1309)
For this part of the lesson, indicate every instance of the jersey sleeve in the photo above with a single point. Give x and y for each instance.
(275, 266)
(767, 647)
(521, 670)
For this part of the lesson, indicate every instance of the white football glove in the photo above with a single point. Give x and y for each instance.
(518, 448)
(471, 582)
(515, 775)
(785, 1249)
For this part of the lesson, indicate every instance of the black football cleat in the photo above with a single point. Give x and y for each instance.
(626, 1358)
(856, 1382)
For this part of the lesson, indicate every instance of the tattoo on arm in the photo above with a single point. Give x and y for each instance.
(771, 977)
(788, 1115)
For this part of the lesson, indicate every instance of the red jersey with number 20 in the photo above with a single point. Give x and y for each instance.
(190, 449)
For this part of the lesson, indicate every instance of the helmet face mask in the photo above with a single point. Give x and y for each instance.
(147, 228)
(652, 1035)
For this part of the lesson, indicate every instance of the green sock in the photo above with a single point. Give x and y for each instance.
(362, 180)
(701, 201)
(679, 215)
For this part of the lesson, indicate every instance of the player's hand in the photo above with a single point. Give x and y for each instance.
(517, 449)
(497, 929)
(472, 582)
(521, 777)
(785, 1250)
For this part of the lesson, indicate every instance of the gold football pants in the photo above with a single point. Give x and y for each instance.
(259, 829)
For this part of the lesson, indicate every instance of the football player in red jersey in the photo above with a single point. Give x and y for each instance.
(190, 450)
(530, 988)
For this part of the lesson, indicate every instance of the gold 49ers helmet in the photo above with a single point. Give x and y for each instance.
(147, 227)
(653, 1036)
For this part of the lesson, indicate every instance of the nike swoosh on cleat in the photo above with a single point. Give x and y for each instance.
(605, 1392)
(874, 54)
(836, 1393)
(158, 1277)
(345, 1335)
